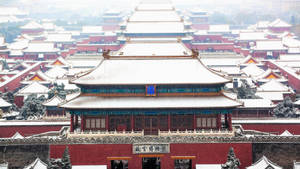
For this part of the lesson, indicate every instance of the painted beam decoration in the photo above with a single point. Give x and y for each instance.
(149, 148)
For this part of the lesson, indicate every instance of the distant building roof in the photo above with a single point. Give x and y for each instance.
(172, 48)
(154, 27)
(36, 47)
(59, 37)
(56, 72)
(273, 86)
(4, 103)
(279, 23)
(155, 7)
(269, 45)
(247, 36)
(32, 25)
(54, 101)
(92, 30)
(252, 70)
(264, 163)
(17, 135)
(153, 16)
(286, 133)
(219, 29)
(257, 103)
(33, 88)
(37, 164)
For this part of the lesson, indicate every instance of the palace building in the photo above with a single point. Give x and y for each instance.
(152, 87)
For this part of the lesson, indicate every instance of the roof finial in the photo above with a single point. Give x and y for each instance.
(106, 54)
(195, 53)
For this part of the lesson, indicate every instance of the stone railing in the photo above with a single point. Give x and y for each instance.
(104, 133)
(203, 132)
(223, 133)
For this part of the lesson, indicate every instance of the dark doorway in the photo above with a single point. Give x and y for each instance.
(183, 164)
(151, 163)
(119, 164)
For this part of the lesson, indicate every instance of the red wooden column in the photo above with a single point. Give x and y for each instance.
(132, 122)
(219, 122)
(76, 120)
(195, 121)
(229, 121)
(72, 123)
(226, 119)
(106, 122)
(169, 121)
(82, 123)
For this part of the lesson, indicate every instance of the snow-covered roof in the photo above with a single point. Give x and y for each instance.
(269, 74)
(151, 71)
(297, 102)
(92, 30)
(56, 72)
(247, 36)
(19, 45)
(48, 25)
(34, 123)
(296, 165)
(154, 27)
(248, 60)
(273, 86)
(13, 52)
(218, 28)
(59, 37)
(33, 88)
(37, 164)
(17, 135)
(263, 163)
(4, 103)
(279, 23)
(98, 102)
(60, 61)
(274, 96)
(43, 76)
(153, 49)
(41, 47)
(89, 167)
(4, 166)
(153, 16)
(255, 103)
(291, 42)
(208, 166)
(273, 121)
(54, 101)
(263, 24)
(286, 133)
(66, 83)
(269, 45)
(252, 70)
(32, 25)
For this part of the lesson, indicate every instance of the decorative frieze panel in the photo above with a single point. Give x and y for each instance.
(148, 148)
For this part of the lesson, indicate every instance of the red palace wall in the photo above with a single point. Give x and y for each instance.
(292, 80)
(214, 46)
(9, 131)
(205, 153)
(273, 128)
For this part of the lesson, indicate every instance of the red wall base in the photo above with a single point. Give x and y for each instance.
(205, 153)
